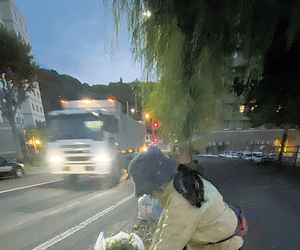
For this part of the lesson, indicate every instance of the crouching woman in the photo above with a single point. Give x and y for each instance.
(194, 214)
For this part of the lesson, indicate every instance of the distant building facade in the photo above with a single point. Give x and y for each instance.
(31, 111)
(238, 134)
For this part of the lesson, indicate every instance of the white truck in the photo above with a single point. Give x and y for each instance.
(92, 137)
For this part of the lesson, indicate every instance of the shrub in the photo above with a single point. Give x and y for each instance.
(121, 244)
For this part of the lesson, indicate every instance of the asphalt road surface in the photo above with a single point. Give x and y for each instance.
(44, 212)
(269, 196)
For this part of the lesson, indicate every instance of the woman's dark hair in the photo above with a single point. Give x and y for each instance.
(188, 183)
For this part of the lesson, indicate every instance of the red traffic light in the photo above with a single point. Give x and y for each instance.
(155, 139)
(155, 124)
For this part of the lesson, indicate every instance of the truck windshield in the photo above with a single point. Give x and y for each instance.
(83, 126)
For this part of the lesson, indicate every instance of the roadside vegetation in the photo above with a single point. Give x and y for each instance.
(145, 231)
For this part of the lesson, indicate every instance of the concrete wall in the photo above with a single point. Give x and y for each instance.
(253, 140)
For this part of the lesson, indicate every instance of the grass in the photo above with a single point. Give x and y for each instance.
(145, 231)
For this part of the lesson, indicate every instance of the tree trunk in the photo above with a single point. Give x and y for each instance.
(15, 133)
(185, 150)
(283, 141)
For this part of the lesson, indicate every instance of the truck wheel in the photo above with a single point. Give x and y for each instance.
(117, 166)
(114, 178)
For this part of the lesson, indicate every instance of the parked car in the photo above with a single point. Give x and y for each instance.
(251, 156)
(257, 156)
(11, 168)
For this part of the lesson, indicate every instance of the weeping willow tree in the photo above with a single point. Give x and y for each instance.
(189, 46)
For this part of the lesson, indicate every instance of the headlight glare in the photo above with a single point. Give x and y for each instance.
(102, 158)
(55, 159)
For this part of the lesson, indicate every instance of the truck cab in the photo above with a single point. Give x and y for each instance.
(91, 138)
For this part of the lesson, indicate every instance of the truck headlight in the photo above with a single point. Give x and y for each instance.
(101, 158)
(55, 159)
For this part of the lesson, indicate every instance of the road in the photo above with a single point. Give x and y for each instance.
(42, 211)
(45, 212)
(265, 193)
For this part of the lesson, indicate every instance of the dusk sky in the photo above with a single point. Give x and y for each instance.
(69, 36)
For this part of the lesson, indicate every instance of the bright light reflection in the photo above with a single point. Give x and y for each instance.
(147, 13)
(86, 101)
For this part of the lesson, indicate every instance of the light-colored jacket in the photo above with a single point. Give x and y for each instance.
(182, 224)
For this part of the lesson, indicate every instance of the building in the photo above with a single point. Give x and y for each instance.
(31, 112)
(237, 133)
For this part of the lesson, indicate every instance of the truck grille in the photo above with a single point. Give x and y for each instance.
(79, 158)
(76, 146)
(77, 152)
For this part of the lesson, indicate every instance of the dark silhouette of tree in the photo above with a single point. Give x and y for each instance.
(17, 72)
(54, 87)
(189, 47)
(275, 98)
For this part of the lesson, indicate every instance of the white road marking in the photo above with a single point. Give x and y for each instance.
(50, 211)
(82, 225)
(30, 186)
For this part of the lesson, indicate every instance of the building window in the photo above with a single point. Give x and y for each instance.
(23, 120)
(32, 106)
(226, 126)
(38, 95)
(17, 120)
(41, 109)
(20, 22)
(36, 121)
(33, 93)
(37, 108)
(25, 29)
(15, 14)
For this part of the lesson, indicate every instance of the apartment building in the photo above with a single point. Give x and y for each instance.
(237, 133)
(31, 112)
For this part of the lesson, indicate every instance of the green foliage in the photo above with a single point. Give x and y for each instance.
(145, 231)
(121, 244)
(275, 99)
(15, 58)
(188, 47)
(54, 87)
(17, 72)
